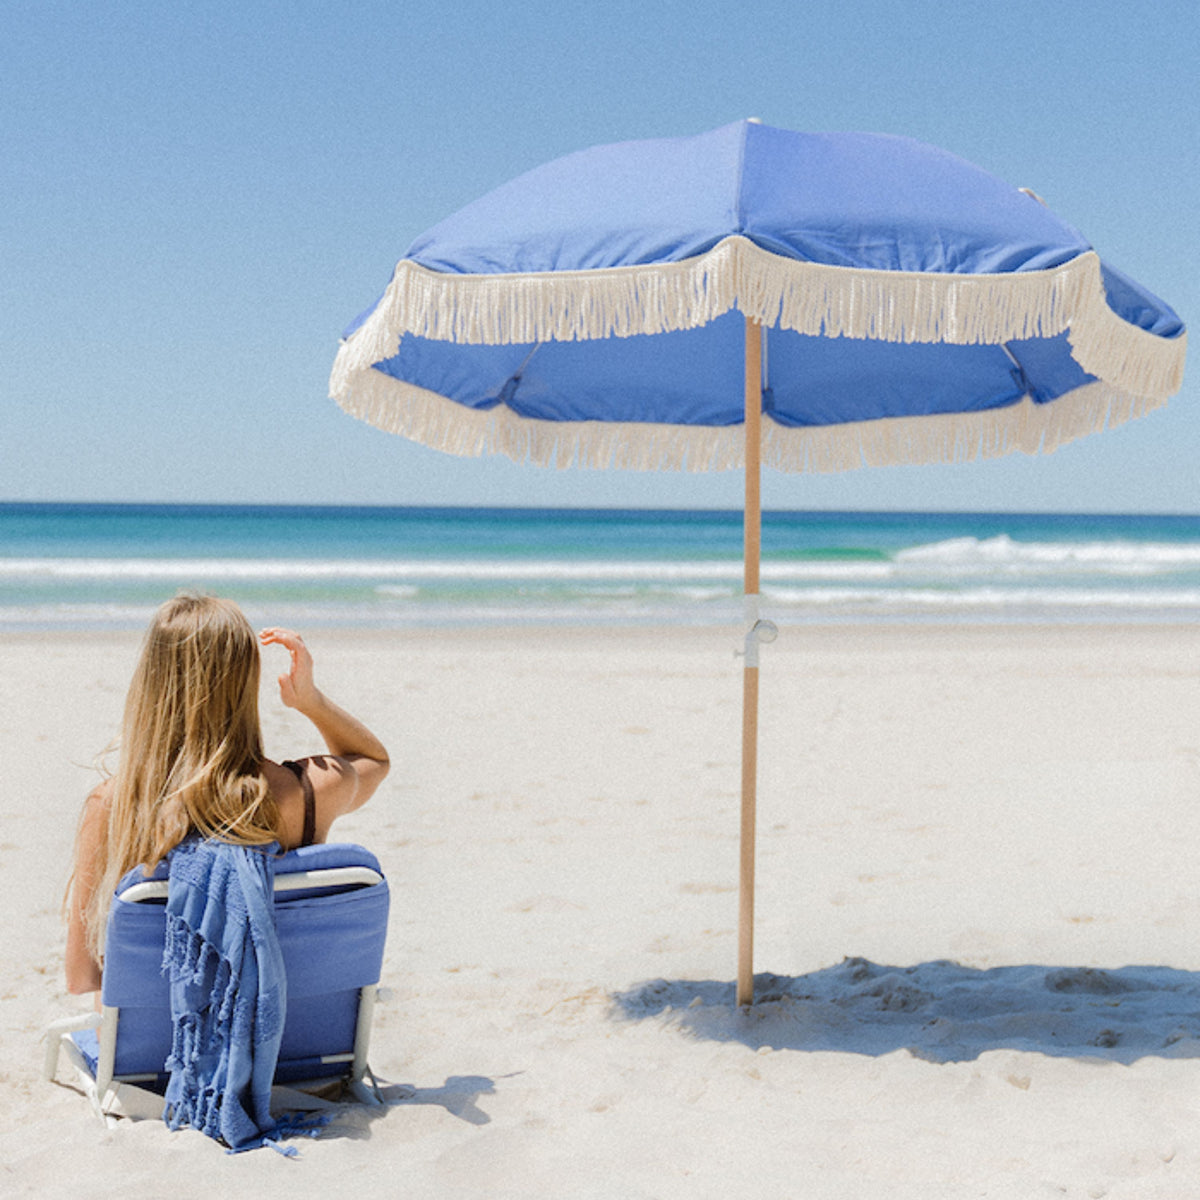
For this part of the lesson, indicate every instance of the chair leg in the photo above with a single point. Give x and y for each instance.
(105, 1060)
(56, 1031)
(369, 1096)
(362, 1029)
(362, 1042)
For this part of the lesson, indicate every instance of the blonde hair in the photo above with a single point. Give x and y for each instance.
(191, 746)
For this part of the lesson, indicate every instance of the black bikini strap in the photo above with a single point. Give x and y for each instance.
(310, 803)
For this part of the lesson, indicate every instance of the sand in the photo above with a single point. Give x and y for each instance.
(978, 917)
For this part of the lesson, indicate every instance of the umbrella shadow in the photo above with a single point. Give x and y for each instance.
(940, 1011)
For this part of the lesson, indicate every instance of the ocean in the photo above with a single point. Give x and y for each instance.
(107, 566)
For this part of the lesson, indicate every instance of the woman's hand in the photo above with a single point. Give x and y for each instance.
(296, 688)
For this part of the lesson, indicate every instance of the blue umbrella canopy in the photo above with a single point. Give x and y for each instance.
(609, 309)
(917, 309)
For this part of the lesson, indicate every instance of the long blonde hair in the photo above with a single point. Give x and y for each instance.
(191, 746)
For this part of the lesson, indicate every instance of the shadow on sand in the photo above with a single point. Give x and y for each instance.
(459, 1096)
(941, 1011)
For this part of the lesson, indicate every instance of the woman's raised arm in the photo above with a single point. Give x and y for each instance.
(360, 759)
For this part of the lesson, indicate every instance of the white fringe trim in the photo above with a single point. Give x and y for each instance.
(809, 298)
(434, 421)
(1124, 355)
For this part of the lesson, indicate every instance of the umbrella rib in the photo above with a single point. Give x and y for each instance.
(509, 389)
(1022, 378)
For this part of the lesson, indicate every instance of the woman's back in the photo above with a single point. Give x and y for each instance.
(192, 762)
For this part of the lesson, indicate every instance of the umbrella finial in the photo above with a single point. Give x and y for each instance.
(754, 120)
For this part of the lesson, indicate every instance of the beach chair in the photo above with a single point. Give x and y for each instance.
(331, 909)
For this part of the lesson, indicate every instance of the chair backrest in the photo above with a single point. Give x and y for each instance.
(331, 910)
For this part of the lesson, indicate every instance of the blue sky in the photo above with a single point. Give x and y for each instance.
(198, 198)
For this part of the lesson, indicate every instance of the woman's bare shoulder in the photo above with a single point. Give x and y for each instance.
(326, 772)
(288, 795)
(333, 784)
(280, 779)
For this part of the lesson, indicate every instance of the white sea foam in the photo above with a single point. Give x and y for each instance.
(963, 555)
(1000, 558)
(95, 570)
(683, 606)
(971, 579)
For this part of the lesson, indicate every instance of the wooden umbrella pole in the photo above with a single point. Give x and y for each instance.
(752, 552)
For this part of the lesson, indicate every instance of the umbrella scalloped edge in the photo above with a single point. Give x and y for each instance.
(809, 298)
(434, 421)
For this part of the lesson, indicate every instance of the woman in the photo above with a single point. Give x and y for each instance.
(192, 761)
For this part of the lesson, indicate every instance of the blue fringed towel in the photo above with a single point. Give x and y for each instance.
(228, 991)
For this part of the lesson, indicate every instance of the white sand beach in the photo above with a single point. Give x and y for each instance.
(978, 906)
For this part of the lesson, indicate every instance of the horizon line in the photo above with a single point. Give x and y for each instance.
(336, 506)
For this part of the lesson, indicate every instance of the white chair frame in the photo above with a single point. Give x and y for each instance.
(111, 1095)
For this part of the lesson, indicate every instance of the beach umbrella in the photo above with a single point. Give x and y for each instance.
(750, 296)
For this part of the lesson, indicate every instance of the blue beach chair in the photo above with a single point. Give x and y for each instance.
(331, 910)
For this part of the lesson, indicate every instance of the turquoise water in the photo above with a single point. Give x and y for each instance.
(67, 566)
